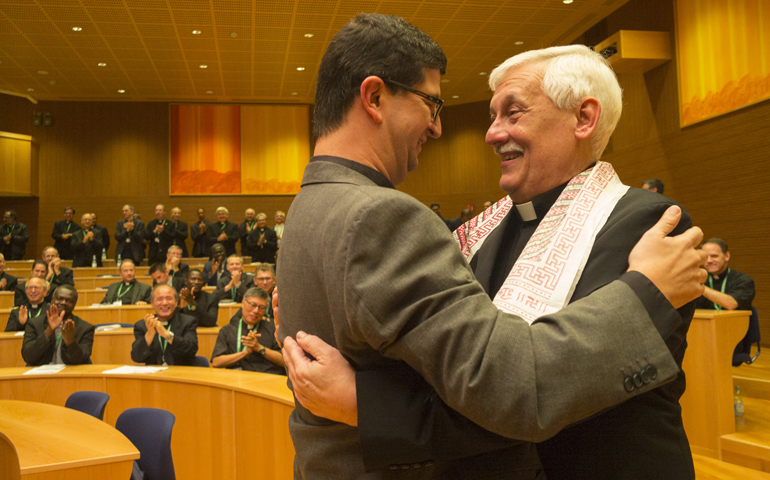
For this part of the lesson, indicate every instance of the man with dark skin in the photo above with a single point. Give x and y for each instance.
(7, 282)
(213, 270)
(33, 305)
(198, 232)
(197, 303)
(60, 337)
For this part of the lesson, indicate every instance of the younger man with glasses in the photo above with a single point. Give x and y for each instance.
(248, 341)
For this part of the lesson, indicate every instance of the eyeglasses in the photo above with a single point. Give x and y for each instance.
(436, 101)
(260, 308)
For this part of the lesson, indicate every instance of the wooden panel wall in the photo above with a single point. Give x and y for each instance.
(717, 169)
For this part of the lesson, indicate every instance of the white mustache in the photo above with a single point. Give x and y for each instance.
(510, 147)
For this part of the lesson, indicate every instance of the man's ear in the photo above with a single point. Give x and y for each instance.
(587, 113)
(371, 92)
(727, 257)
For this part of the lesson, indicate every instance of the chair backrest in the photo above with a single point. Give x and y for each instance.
(200, 361)
(742, 352)
(92, 403)
(149, 429)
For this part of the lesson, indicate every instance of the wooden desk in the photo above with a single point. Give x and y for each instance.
(229, 424)
(43, 441)
(6, 299)
(123, 314)
(707, 404)
(113, 347)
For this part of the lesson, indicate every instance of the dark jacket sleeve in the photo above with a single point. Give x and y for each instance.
(185, 344)
(11, 282)
(20, 236)
(120, 231)
(36, 348)
(105, 237)
(80, 351)
(19, 294)
(65, 277)
(140, 351)
(742, 290)
(206, 311)
(109, 297)
(144, 293)
(57, 231)
(13, 324)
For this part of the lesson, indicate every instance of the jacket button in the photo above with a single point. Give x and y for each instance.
(652, 372)
(628, 384)
(638, 380)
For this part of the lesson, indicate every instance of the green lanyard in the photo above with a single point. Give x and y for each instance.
(68, 227)
(222, 228)
(239, 348)
(39, 309)
(121, 292)
(233, 291)
(10, 229)
(724, 284)
(164, 343)
(58, 340)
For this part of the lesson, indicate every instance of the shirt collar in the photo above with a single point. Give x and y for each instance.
(370, 173)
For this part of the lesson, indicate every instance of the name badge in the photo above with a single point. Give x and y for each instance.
(117, 303)
(157, 240)
(128, 240)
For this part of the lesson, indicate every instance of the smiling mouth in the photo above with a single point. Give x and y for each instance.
(508, 156)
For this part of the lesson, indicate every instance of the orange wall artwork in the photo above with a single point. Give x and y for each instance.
(231, 149)
(205, 149)
(724, 56)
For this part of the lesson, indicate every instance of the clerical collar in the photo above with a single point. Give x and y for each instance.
(370, 173)
(34, 305)
(165, 324)
(538, 207)
(128, 283)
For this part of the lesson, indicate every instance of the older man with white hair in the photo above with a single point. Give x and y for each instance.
(223, 231)
(565, 230)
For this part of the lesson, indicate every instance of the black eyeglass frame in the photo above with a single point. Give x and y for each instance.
(437, 101)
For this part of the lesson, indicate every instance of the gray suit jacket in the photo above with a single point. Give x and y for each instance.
(379, 276)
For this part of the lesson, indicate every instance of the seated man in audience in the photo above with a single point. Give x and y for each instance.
(248, 342)
(437, 210)
(244, 229)
(128, 291)
(264, 278)
(167, 337)
(15, 237)
(7, 282)
(39, 269)
(33, 305)
(58, 337)
(56, 274)
(198, 233)
(197, 303)
(160, 276)
(87, 244)
(725, 288)
(234, 283)
(63, 230)
(176, 231)
(214, 269)
(129, 232)
(262, 241)
(223, 231)
(104, 232)
(174, 265)
(653, 185)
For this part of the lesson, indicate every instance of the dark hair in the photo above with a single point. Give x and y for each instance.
(66, 287)
(69, 208)
(157, 267)
(435, 205)
(371, 44)
(654, 183)
(187, 275)
(266, 267)
(39, 262)
(718, 241)
(256, 292)
(12, 214)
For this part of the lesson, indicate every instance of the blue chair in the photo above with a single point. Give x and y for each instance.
(742, 352)
(200, 361)
(92, 403)
(149, 429)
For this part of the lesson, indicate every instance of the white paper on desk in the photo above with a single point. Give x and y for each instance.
(99, 305)
(18, 334)
(129, 369)
(45, 370)
(108, 328)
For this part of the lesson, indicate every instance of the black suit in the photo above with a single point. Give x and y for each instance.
(247, 281)
(10, 280)
(130, 243)
(246, 250)
(105, 236)
(86, 251)
(211, 277)
(180, 352)
(138, 292)
(206, 309)
(176, 283)
(159, 243)
(264, 253)
(14, 325)
(174, 233)
(37, 349)
(181, 270)
(64, 247)
(641, 438)
(201, 246)
(230, 229)
(17, 247)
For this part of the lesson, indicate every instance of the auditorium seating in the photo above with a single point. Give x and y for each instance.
(750, 444)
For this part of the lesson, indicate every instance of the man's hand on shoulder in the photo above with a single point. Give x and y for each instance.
(671, 263)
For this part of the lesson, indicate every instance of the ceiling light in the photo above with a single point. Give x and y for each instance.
(196, 32)
(204, 66)
(519, 43)
(121, 91)
(299, 69)
(293, 93)
(209, 91)
(455, 96)
(102, 64)
(308, 35)
(567, 1)
(76, 29)
(233, 34)
(42, 72)
(482, 73)
(444, 80)
(30, 89)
